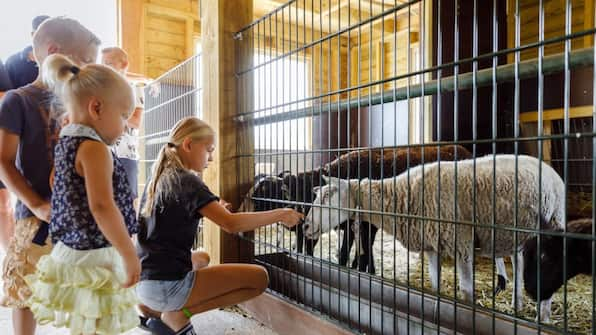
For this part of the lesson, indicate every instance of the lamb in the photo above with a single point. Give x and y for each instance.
(472, 175)
(579, 261)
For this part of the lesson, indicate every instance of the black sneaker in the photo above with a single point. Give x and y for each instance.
(155, 326)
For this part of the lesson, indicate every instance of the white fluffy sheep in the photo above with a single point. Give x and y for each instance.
(474, 178)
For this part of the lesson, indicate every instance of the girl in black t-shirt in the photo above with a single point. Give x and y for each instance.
(176, 283)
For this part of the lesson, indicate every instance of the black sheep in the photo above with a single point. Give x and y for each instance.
(551, 277)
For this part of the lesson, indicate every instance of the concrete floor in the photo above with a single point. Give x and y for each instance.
(230, 321)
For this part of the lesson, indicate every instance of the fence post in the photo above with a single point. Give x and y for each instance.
(220, 19)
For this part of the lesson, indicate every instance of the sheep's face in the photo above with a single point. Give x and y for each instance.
(329, 208)
(268, 187)
(551, 266)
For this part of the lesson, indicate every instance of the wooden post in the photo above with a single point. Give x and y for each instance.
(131, 36)
(588, 22)
(220, 19)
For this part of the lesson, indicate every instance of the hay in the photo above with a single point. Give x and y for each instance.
(391, 260)
(579, 204)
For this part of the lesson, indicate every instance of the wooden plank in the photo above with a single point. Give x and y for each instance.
(167, 24)
(181, 5)
(288, 319)
(161, 62)
(547, 145)
(167, 11)
(165, 50)
(219, 20)
(165, 38)
(557, 114)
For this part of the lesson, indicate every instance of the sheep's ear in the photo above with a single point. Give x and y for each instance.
(325, 178)
(316, 189)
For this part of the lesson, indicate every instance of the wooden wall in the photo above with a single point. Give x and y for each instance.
(582, 17)
(159, 34)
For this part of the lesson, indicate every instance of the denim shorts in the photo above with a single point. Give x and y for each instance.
(165, 295)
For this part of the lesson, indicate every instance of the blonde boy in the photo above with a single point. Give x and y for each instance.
(126, 146)
(29, 129)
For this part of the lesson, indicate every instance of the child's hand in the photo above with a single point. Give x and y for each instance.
(42, 211)
(132, 265)
(290, 217)
(225, 204)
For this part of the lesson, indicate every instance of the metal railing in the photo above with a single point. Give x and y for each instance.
(172, 96)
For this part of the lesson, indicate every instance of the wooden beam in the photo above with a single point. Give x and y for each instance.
(557, 114)
(131, 33)
(588, 22)
(288, 319)
(189, 38)
(220, 19)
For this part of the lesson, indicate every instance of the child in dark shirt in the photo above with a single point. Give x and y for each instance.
(174, 201)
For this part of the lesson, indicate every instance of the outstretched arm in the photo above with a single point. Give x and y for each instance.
(240, 222)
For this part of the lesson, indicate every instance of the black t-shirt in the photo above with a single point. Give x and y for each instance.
(5, 83)
(166, 237)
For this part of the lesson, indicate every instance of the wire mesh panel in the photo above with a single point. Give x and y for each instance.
(442, 152)
(174, 95)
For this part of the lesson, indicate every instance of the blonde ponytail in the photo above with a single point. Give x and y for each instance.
(165, 170)
(74, 85)
(58, 70)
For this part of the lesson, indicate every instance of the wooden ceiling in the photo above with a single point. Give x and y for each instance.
(333, 15)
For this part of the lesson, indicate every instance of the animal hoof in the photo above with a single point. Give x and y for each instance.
(501, 284)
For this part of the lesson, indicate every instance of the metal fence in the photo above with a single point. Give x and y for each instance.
(174, 95)
(406, 99)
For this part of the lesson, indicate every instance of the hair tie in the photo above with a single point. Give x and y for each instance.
(75, 69)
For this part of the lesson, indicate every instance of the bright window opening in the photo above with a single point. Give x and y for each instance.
(277, 85)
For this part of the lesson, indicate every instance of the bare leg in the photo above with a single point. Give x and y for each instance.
(502, 275)
(23, 322)
(6, 219)
(434, 268)
(518, 277)
(465, 280)
(218, 286)
(545, 306)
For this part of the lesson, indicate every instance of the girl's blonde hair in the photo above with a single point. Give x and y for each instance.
(74, 85)
(164, 173)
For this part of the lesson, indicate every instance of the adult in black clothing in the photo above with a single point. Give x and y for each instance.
(21, 67)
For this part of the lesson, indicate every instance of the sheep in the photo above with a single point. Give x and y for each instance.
(474, 178)
(274, 187)
(300, 188)
(379, 164)
(384, 163)
(551, 277)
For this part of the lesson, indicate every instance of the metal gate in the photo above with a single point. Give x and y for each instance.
(388, 93)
